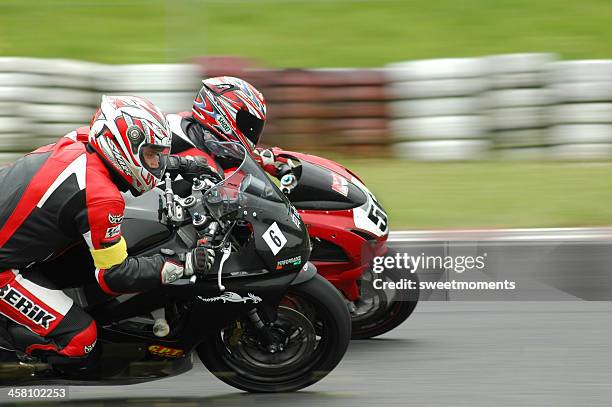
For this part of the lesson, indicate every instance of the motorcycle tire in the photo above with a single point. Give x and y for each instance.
(390, 314)
(318, 311)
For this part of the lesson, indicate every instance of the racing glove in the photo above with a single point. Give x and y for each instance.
(267, 160)
(273, 165)
(190, 167)
(198, 261)
(266, 157)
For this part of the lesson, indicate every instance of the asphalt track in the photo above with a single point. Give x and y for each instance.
(449, 353)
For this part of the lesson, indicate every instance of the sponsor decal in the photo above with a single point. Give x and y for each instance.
(119, 160)
(21, 303)
(233, 297)
(89, 348)
(115, 218)
(295, 216)
(112, 231)
(166, 352)
(295, 261)
(339, 184)
(224, 125)
(274, 238)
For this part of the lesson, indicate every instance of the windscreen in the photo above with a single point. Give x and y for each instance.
(246, 187)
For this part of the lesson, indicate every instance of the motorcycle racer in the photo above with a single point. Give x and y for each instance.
(227, 109)
(69, 192)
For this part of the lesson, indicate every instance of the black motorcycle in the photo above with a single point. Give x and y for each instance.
(265, 321)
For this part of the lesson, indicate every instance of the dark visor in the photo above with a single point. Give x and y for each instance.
(249, 125)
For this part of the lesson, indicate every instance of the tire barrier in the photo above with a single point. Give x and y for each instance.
(172, 87)
(583, 113)
(451, 106)
(572, 134)
(326, 109)
(436, 105)
(48, 97)
(516, 106)
(43, 99)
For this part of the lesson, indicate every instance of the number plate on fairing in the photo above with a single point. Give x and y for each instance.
(274, 238)
(370, 216)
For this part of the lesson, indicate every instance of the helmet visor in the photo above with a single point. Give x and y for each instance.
(250, 126)
(154, 159)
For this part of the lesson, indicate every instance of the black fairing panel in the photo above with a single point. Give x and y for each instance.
(275, 214)
(324, 250)
(140, 234)
(314, 191)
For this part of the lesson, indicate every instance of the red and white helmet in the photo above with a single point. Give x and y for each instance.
(232, 108)
(133, 136)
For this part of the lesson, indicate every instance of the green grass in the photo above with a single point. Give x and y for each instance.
(473, 195)
(313, 33)
(306, 33)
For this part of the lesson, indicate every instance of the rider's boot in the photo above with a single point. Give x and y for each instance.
(86, 367)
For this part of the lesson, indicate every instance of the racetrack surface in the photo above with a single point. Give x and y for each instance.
(447, 354)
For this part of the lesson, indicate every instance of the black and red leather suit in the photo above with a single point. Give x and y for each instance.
(52, 199)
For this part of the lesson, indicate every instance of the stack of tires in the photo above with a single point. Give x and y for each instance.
(65, 102)
(172, 87)
(435, 108)
(327, 109)
(41, 100)
(583, 117)
(12, 127)
(518, 104)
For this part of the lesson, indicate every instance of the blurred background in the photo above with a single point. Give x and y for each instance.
(458, 114)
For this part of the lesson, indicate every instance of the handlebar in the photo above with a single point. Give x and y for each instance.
(175, 208)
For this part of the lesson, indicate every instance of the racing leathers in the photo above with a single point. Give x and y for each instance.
(52, 199)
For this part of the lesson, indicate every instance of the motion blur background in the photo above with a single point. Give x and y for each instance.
(458, 114)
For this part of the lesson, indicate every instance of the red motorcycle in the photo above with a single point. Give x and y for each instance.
(348, 227)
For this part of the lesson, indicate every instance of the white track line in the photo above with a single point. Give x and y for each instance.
(548, 234)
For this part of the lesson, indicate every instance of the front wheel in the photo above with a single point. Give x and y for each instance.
(309, 338)
(379, 311)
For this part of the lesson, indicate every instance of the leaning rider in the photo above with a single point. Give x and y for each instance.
(67, 192)
(225, 109)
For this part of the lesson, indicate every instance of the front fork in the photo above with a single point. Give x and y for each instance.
(263, 332)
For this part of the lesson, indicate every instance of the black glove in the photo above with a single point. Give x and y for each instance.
(199, 261)
(190, 167)
(178, 265)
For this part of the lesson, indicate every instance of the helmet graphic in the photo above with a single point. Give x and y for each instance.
(133, 136)
(232, 108)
